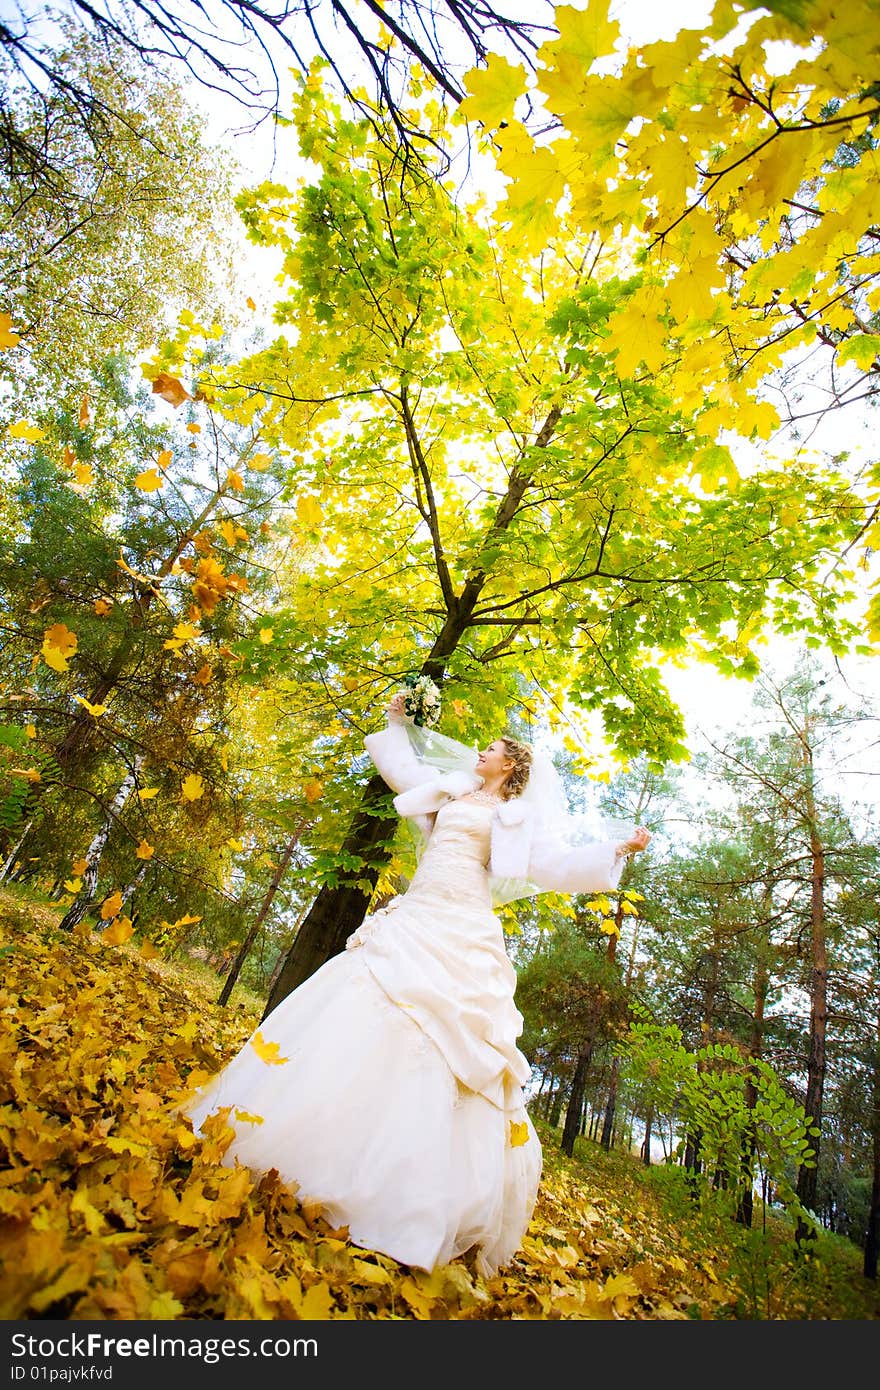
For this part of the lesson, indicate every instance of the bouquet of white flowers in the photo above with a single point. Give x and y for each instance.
(422, 701)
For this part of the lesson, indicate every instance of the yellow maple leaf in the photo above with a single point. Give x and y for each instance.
(23, 429)
(493, 91)
(85, 476)
(267, 1051)
(149, 951)
(145, 793)
(31, 730)
(102, 607)
(111, 905)
(80, 865)
(247, 1118)
(585, 34)
(308, 511)
(119, 933)
(192, 787)
(312, 790)
(84, 413)
(234, 480)
(193, 428)
(73, 885)
(149, 480)
(96, 710)
(236, 845)
(266, 634)
(519, 1134)
(250, 303)
(259, 462)
(59, 643)
(609, 927)
(8, 338)
(145, 850)
(164, 459)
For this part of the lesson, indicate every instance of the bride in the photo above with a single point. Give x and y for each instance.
(393, 1094)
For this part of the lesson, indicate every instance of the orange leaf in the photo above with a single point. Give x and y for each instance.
(170, 389)
(203, 675)
(235, 480)
(80, 865)
(164, 459)
(83, 412)
(7, 337)
(312, 790)
(110, 906)
(149, 480)
(144, 850)
(149, 951)
(119, 933)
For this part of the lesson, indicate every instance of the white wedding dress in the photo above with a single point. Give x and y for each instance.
(399, 1105)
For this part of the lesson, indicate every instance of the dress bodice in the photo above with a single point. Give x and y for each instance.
(455, 862)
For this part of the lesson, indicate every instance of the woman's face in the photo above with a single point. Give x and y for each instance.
(494, 761)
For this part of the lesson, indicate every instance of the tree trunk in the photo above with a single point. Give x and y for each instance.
(556, 1105)
(338, 911)
(745, 1206)
(808, 1177)
(575, 1101)
(86, 896)
(872, 1234)
(14, 851)
(241, 957)
(646, 1141)
(610, 1105)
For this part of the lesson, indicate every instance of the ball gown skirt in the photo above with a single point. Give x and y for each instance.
(399, 1104)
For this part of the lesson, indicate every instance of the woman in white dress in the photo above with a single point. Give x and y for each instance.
(395, 1096)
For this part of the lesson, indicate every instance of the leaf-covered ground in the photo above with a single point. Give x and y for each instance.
(111, 1208)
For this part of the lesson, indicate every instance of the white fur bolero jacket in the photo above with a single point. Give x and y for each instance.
(520, 849)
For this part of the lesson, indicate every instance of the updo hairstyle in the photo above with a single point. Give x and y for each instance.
(521, 756)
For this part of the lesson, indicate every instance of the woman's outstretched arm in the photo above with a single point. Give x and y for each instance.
(591, 868)
(392, 752)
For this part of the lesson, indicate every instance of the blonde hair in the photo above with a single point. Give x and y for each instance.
(520, 754)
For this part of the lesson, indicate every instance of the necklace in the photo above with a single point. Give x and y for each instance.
(484, 798)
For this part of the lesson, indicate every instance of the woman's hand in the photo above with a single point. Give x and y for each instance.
(396, 704)
(638, 841)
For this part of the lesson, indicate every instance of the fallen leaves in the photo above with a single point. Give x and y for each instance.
(112, 1208)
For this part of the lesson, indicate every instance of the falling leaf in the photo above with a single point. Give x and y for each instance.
(144, 850)
(68, 458)
(73, 885)
(59, 643)
(250, 303)
(193, 428)
(80, 865)
(84, 416)
(8, 338)
(236, 845)
(96, 710)
(204, 675)
(519, 1134)
(25, 430)
(267, 1051)
(266, 634)
(102, 607)
(149, 480)
(119, 933)
(145, 793)
(31, 730)
(312, 790)
(149, 951)
(164, 459)
(111, 905)
(609, 927)
(234, 480)
(259, 462)
(85, 476)
(192, 787)
(246, 1118)
(170, 389)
